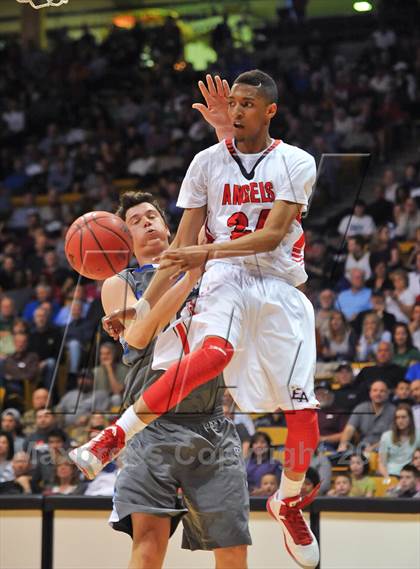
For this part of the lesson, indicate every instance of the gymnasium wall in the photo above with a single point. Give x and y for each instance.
(82, 539)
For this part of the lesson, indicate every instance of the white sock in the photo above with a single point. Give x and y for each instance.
(130, 423)
(288, 488)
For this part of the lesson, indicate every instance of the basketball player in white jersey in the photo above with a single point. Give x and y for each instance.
(250, 320)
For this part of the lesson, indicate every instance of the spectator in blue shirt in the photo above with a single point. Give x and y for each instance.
(43, 294)
(356, 298)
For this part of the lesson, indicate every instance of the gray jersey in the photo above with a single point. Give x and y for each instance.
(202, 404)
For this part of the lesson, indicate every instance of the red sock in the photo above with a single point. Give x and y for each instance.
(186, 375)
(302, 438)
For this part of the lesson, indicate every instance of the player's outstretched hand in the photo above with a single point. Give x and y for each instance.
(114, 323)
(184, 259)
(215, 111)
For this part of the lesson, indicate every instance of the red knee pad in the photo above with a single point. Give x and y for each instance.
(193, 370)
(302, 439)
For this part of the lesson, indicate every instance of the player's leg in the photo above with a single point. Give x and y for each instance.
(231, 557)
(150, 541)
(208, 341)
(301, 443)
(183, 377)
(287, 327)
(216, 494)
(298, 398)
(171, 388)
(145, 502)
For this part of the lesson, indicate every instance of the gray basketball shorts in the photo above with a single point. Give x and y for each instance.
(205, 461)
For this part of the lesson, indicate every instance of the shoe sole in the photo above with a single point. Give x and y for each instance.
(83, 465)
(270, 511)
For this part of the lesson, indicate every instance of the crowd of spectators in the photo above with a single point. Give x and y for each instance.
(81, 117)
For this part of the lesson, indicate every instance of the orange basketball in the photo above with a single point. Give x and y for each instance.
(98, 245)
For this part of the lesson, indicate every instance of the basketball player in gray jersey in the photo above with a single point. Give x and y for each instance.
(193, 447)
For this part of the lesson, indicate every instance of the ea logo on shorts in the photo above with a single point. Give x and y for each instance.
(237, 450)
(298, 394)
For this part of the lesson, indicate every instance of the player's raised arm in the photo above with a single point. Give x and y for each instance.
(215, 111)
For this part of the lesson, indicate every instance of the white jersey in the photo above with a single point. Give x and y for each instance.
(240, 196)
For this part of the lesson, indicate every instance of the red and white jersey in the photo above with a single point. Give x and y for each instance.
(239, 198)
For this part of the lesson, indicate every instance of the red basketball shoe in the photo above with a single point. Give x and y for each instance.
(93, 456)
(299, 540)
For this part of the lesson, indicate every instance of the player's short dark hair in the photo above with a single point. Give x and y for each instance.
(133, 198)
(256, 78)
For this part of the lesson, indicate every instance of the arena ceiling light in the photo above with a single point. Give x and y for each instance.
(362, 6)
(37, 4)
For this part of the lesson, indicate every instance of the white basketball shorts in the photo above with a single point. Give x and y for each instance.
(271, 326)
